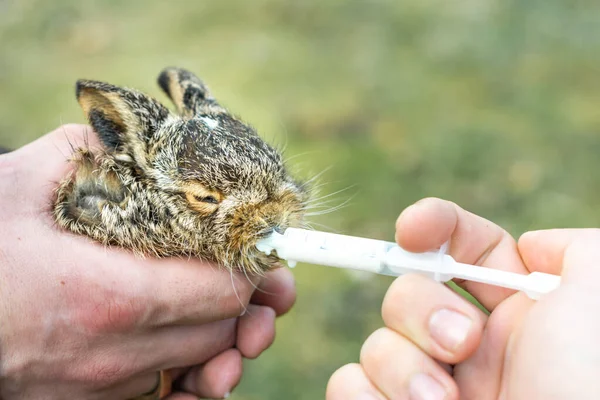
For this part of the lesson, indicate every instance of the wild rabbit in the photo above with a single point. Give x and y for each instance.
(198, 184)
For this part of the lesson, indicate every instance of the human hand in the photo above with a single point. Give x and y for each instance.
(523, 350)
(82, 321)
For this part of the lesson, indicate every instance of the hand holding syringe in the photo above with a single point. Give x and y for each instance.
(387, 258)
(517, 343)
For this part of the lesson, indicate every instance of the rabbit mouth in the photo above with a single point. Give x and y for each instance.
(266, 262)
(262, 234)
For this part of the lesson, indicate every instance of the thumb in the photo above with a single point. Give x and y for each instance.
(581, 262)
(554, 353)
(46, 159)
(546, 250)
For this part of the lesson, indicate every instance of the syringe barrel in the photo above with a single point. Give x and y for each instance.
(350, 252)
(334, 250)
(431, 263)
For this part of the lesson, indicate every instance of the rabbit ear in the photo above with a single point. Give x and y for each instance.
(121, 117)
(188, 92)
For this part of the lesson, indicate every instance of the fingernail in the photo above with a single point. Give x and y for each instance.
(424, 387)
(226, 395)
(449, 328)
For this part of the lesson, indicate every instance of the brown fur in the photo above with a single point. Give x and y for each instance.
(177, 185)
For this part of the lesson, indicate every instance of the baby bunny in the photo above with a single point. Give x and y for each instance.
(198, 184)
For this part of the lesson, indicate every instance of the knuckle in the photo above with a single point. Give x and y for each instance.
(118, 316)
(399, 296)
(110, 314)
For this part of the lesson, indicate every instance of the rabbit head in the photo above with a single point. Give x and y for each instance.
(199, 182)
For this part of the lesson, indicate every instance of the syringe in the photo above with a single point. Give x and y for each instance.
(387, 258)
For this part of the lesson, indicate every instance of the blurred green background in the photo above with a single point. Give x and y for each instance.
(494, 105)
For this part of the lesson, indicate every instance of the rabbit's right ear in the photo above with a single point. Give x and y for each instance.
(190, 95)
(124, 119)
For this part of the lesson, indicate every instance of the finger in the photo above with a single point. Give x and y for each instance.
(177, 373)
(44, 173)
(168, 348)
(134, 387)
(217, 378)
(181, 396)
(193, 292)
(544, 250)
(429, 223)
(277, 290)
(58, 147)
(182, 346)
(349, 383)
(581, 263)
(443, 324)
(399, 369)
(256, 331)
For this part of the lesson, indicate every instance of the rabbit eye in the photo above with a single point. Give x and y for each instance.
(206, 199)
(203, 200)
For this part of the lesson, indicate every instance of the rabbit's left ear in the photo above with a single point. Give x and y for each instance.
(124, 119)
